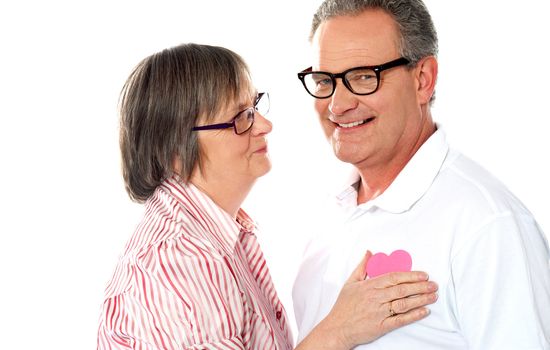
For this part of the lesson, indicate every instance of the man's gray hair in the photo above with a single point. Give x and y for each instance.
(418, 35)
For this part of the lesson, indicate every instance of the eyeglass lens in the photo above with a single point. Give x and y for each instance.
(245, 119)
(362, 81)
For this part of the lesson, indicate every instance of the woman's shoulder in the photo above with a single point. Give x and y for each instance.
(160, 247)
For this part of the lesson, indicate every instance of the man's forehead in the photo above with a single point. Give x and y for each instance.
(366, 39)
(344, 57)
(369, 24)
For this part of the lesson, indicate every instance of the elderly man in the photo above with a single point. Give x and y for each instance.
(373, 80)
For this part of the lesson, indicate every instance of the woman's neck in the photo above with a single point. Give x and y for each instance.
(228, 194)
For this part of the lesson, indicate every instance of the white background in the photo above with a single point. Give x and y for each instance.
(64, 214)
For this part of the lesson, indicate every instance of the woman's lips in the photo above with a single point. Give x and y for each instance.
(261, 150)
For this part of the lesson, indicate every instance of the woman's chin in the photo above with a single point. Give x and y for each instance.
(264, 169)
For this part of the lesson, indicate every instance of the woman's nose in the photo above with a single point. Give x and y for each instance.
(262, 125)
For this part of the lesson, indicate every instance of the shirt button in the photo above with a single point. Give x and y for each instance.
(278, 314)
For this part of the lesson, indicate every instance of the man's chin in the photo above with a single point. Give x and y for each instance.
(345, 154)
(348, 160)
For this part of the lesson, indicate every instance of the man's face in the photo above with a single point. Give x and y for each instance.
(391, 117)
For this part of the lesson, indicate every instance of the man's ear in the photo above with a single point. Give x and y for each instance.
(426, 77)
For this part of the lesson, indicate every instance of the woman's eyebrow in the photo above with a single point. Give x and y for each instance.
(249, 102)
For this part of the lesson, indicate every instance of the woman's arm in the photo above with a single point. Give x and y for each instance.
(366, 309)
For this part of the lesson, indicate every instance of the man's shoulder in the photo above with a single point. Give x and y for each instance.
(468, 184)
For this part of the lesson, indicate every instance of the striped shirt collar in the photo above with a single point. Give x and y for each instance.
(192, 277)
(208, 214)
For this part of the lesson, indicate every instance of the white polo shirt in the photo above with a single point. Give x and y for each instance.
(461, 226)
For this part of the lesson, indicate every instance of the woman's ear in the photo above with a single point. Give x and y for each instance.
(177, 166)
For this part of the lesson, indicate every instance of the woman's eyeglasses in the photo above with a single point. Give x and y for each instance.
(243, 121)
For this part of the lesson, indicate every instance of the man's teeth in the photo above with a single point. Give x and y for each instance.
(351, 125)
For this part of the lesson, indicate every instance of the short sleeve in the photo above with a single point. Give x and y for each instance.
(502, 285)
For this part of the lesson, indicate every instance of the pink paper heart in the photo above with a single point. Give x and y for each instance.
(380, 263)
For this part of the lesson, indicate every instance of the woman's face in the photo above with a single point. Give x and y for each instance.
(232, 158)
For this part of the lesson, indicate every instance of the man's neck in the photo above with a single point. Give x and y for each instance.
(375, 179)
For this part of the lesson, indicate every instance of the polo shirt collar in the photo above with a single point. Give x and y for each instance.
(410, 184)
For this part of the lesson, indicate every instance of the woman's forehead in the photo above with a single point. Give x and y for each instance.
(233, 104)
(246, 96)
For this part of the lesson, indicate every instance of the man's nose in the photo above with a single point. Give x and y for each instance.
(342, 99)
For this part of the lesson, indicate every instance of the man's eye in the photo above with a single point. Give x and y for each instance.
(362, 77)
(322, 82)
(325, 81)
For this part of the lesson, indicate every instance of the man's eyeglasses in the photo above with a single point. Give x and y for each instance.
(359, 80)
(242, 121)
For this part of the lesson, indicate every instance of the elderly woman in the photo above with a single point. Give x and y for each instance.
(192, 276)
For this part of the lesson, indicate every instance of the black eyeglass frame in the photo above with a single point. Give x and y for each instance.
(376, 69)
(232, 124)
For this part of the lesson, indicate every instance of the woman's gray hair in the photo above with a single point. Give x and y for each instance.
(166, 95)
(417, 31)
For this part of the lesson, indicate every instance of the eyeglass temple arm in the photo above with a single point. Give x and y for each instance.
(396, 63)
(213, 126)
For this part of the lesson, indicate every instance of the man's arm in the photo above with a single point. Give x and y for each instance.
(501, 280)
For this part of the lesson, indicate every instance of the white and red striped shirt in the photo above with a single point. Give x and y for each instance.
(192, 277)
